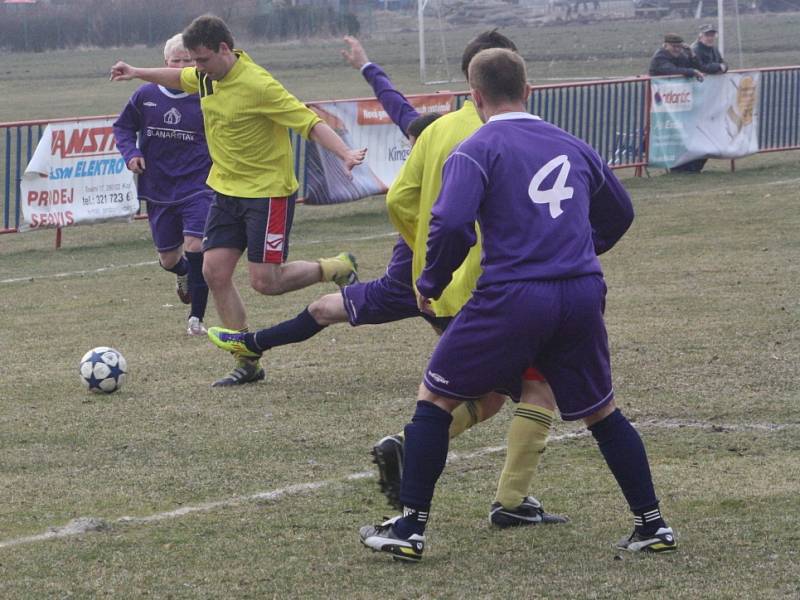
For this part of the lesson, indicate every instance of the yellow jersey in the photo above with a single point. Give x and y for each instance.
(247, 115)
(414, 191)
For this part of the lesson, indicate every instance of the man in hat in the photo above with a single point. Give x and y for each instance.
(675, 58)
(708, 57)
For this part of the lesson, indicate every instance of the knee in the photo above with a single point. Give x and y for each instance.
(321, 312)
(328, 310)
(538, 393)
(267, 283)
(215, 276)
(169, 259)
(600, 415)
(491, 404)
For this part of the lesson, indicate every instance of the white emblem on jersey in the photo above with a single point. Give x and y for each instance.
(148, 103)
(172, 116)
(560, 191)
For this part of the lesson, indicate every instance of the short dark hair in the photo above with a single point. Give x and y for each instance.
(498, 74)
(484, 41)
(418, 125)
(208, 31)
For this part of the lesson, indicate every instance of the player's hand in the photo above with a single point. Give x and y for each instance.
(698, 75)
(356, 56)
(136, 164)
(353, 158)
(424, 305)
(122, 71)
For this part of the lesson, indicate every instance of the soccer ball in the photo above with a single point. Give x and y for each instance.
(103, 370)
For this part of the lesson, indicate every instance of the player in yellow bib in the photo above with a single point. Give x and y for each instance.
(247, 114)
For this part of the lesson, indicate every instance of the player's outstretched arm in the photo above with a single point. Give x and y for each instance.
(326, 137)
(396, 105)
(171, 78)
(354, 53)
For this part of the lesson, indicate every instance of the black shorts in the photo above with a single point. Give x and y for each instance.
(261, 225)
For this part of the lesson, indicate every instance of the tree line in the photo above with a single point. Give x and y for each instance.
(40, 27)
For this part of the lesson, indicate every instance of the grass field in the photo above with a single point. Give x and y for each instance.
(275, 479)
(169, 489)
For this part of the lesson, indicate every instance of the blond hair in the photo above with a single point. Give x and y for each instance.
(174, 43)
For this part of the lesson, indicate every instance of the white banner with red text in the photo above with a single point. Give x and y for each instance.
(75, 176)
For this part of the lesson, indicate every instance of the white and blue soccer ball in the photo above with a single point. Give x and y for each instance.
(103, 370)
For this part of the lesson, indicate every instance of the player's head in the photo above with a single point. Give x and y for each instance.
(418, 125)
(484, 41)
(210, 43)
(498, 79)
(175, 53)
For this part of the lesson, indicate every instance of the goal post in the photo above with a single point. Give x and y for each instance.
(438, 70)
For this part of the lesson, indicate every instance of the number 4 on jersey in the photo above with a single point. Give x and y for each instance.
(559, 192)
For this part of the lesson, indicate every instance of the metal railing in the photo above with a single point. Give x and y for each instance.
(613, 116)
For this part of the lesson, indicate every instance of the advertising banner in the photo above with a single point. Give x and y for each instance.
(713, 118)
(362, 123)
(75, 176)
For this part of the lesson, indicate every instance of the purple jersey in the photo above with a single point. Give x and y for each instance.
(545, 201)
(171, 139)
(402, 114)
(394, 103)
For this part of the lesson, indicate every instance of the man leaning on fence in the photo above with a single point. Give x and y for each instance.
(676, 58)
(706, 53)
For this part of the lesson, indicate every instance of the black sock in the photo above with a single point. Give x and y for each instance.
(626, 457)
(299, 329)
(425, 452)
(197, 285)
(181, 267)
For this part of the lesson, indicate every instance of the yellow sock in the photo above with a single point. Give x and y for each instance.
(465, 416)
(527, 439)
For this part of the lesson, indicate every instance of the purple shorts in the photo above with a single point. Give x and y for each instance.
(170, 223)
(384, 300)
(261, 225)
(556, 325)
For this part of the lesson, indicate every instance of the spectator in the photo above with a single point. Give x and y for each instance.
(708, 57)
(675, 58)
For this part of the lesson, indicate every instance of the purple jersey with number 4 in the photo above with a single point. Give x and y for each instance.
(169, 127)
(547, 204)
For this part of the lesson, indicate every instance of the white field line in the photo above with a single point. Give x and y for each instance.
(149, 263)
(84, 525)
(302, 243)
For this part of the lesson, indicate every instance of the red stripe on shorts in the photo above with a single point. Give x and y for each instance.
(531, 374)
(275, 235)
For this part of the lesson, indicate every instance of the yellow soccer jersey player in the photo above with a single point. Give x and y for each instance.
(413, 193)
(247, 116)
